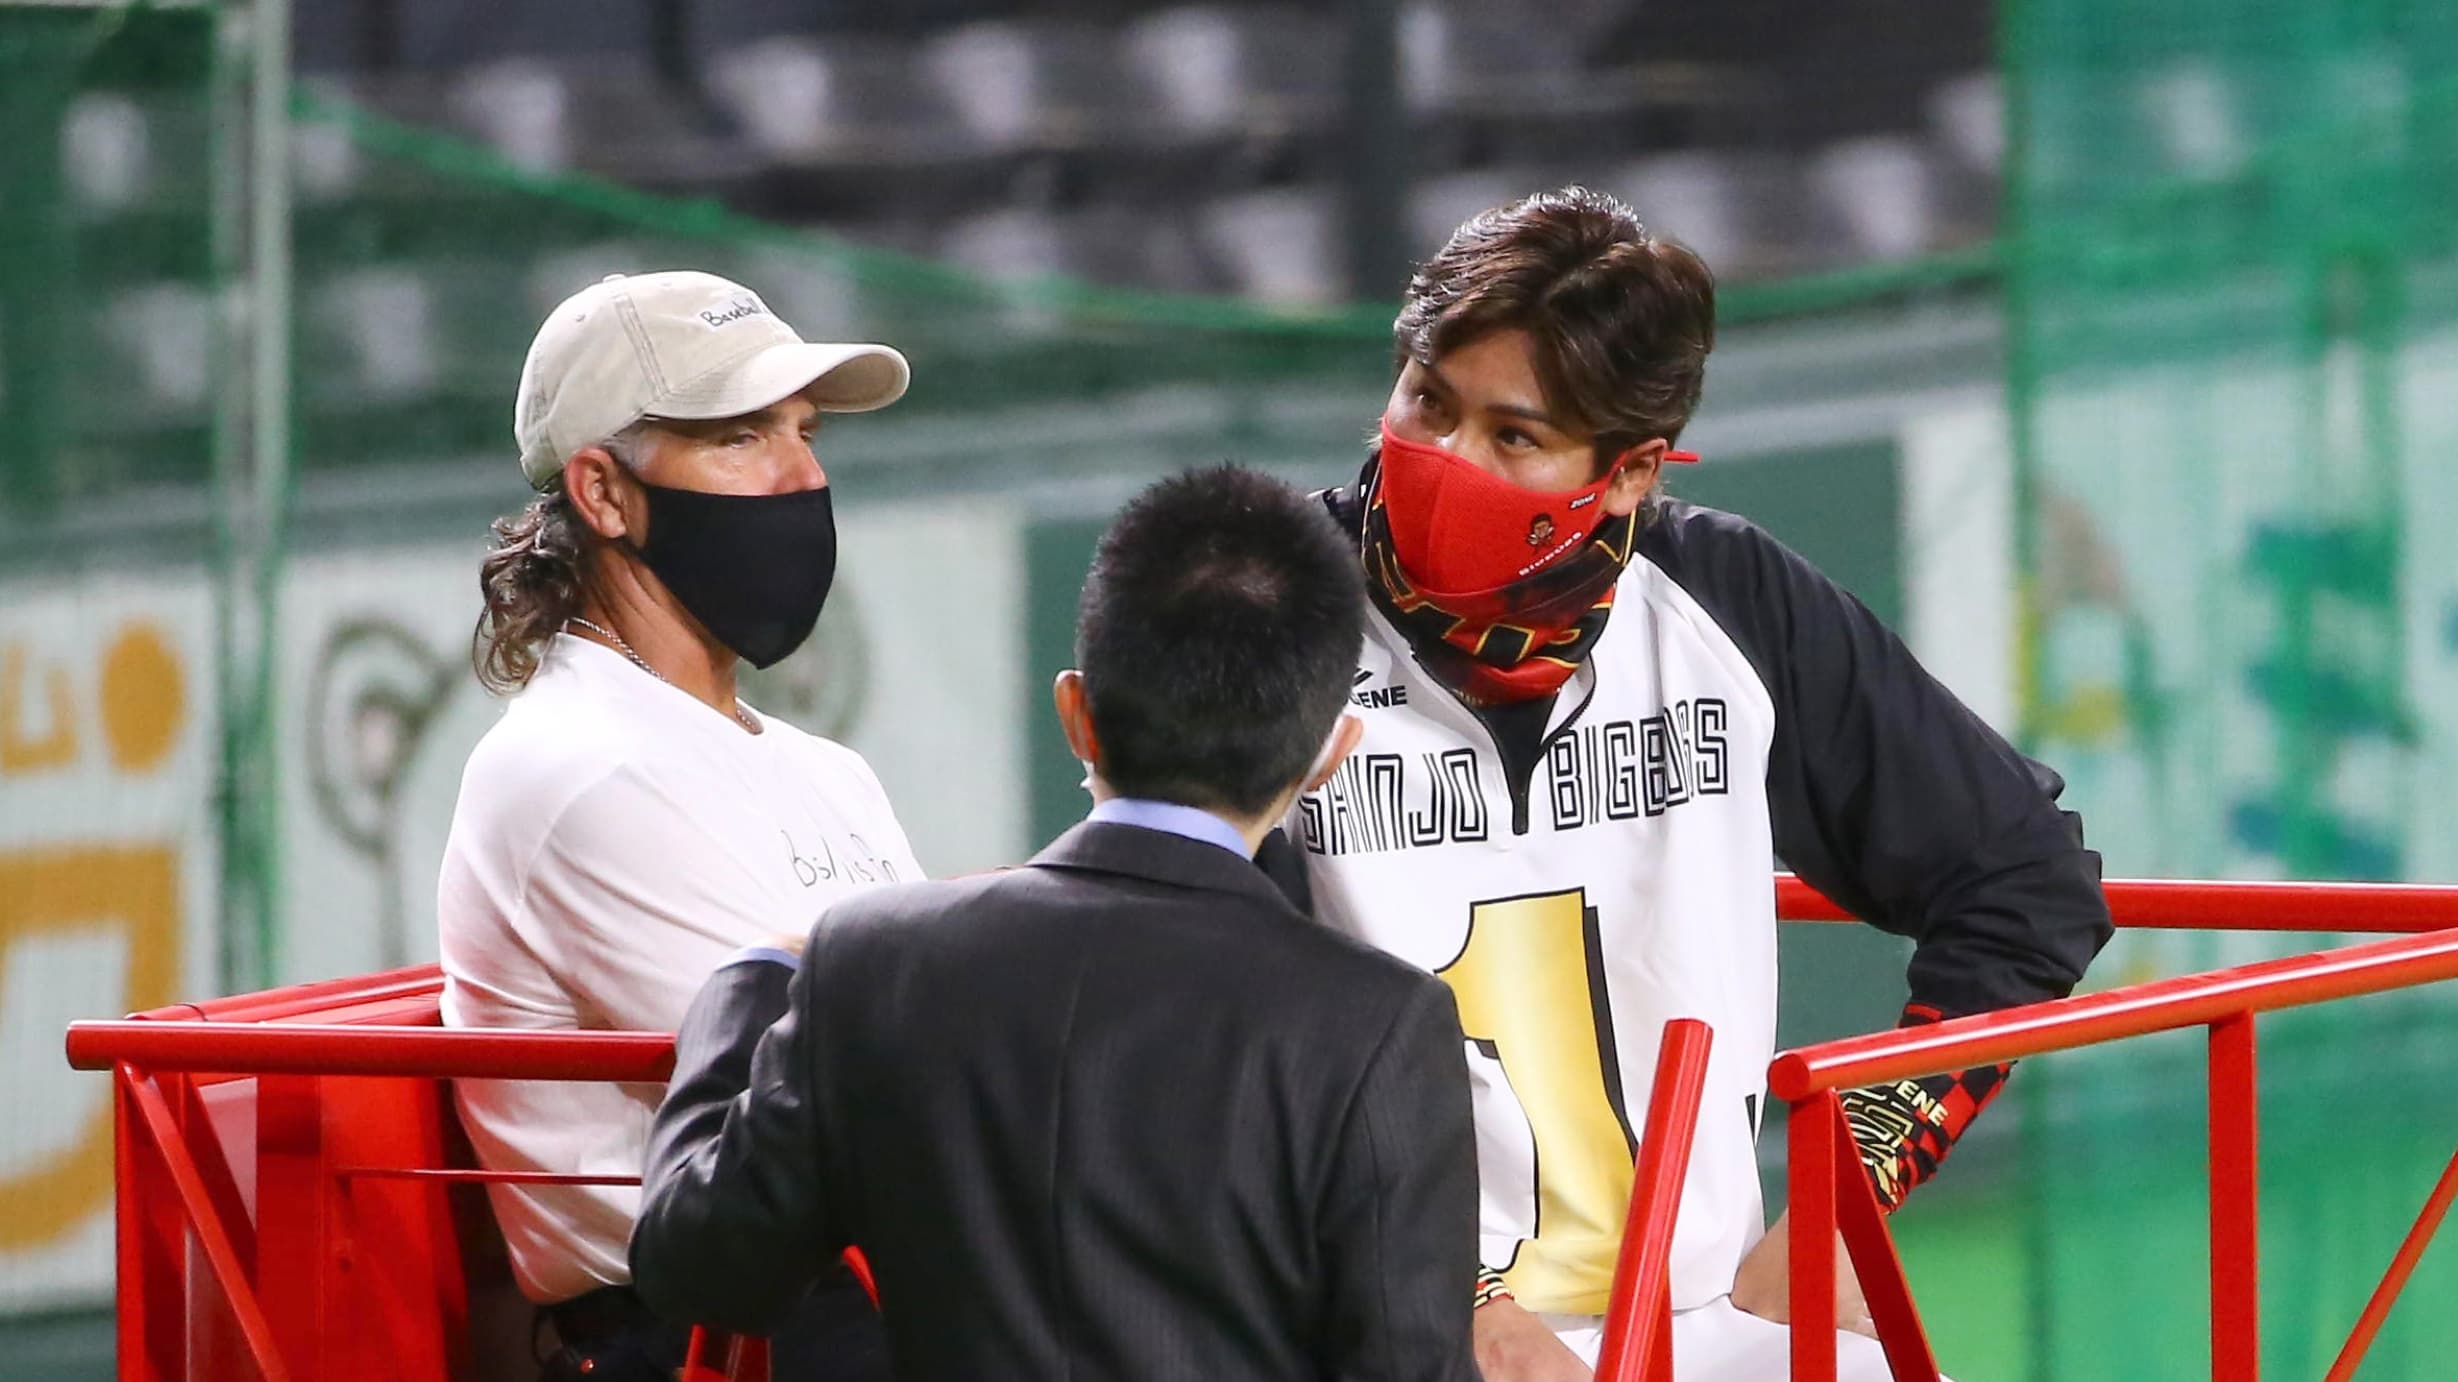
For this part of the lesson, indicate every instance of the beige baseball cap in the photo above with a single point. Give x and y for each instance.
(677, 345)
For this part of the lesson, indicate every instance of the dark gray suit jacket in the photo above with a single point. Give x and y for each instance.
(1121, 1113)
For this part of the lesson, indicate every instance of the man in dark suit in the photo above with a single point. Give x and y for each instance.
(1124, 1112)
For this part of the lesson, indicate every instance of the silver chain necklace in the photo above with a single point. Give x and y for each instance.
(741, 716)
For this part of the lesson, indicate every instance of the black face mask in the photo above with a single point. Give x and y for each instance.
(753, 568)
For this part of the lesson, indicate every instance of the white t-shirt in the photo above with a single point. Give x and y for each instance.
(615, 841)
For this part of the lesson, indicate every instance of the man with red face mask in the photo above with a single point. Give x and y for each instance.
(1592, 715)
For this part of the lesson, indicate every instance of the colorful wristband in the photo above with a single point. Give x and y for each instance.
(1490, 1287)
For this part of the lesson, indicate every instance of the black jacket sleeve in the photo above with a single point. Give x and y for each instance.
(733, 1227)
(1887, 793)
(1399, 1217)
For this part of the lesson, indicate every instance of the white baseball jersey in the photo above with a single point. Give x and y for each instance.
(1736, 705)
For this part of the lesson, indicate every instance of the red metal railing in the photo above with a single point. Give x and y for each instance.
(195, 1044)
(1638, 1342)
(2402, 1266)
(1829, 1191)
(270, 1272)
(1637, 1349)
(438, 1053)
(147, 1129)
(2184, 904)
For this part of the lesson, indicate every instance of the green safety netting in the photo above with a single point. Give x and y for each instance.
(2231, 293)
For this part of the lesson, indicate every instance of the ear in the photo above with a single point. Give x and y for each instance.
(1635, 473)
(1343, 742)
(604, 494)
(1075, 716)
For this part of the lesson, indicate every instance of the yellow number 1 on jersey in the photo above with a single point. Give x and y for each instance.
(1530, 985)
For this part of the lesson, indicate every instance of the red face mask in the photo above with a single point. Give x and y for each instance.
(1460, 531)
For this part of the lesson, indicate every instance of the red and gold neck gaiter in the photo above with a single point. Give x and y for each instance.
(1503, 590)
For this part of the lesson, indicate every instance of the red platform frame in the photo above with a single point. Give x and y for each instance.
(1834, 1195)
(287, 1161)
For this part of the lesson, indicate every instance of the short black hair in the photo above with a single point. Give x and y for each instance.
(1217, 635)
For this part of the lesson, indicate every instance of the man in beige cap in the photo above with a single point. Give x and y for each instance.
(629, 824)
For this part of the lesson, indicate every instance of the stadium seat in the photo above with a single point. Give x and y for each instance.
(325, 162)
(1724, 205)
(2197, 120)
(613, 114)
(165, 331)
(1016, 242)
(1424, 41)
(1216, 70)
(1020, 85)
(1880, 193)
(1280, 245)
(1436, 206)
(1481, 56)
(520, 106)
(1112, 243)
(1967, 118)
(106, 151)
(382, 319)
(843, 97)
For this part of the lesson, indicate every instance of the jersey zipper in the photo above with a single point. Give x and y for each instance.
(1517, 784)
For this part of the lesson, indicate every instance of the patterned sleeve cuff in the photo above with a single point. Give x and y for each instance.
(1904, 1130)
(1490, 1287)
